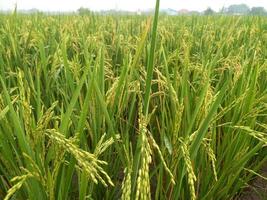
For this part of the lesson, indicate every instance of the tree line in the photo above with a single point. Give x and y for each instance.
(238, 9)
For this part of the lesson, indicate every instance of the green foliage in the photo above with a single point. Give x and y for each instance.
(131, 107)
(84, 11)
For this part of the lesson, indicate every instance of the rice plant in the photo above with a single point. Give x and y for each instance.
(131, 107)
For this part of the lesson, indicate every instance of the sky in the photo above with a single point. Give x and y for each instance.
(131, 5)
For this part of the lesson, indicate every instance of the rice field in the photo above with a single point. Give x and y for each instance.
(131, 107)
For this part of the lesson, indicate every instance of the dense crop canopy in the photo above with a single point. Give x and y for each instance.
(109, 107)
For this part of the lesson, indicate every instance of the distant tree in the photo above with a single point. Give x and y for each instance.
(258, 11)
(84, 11)
(241, 9)
(209, 11)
